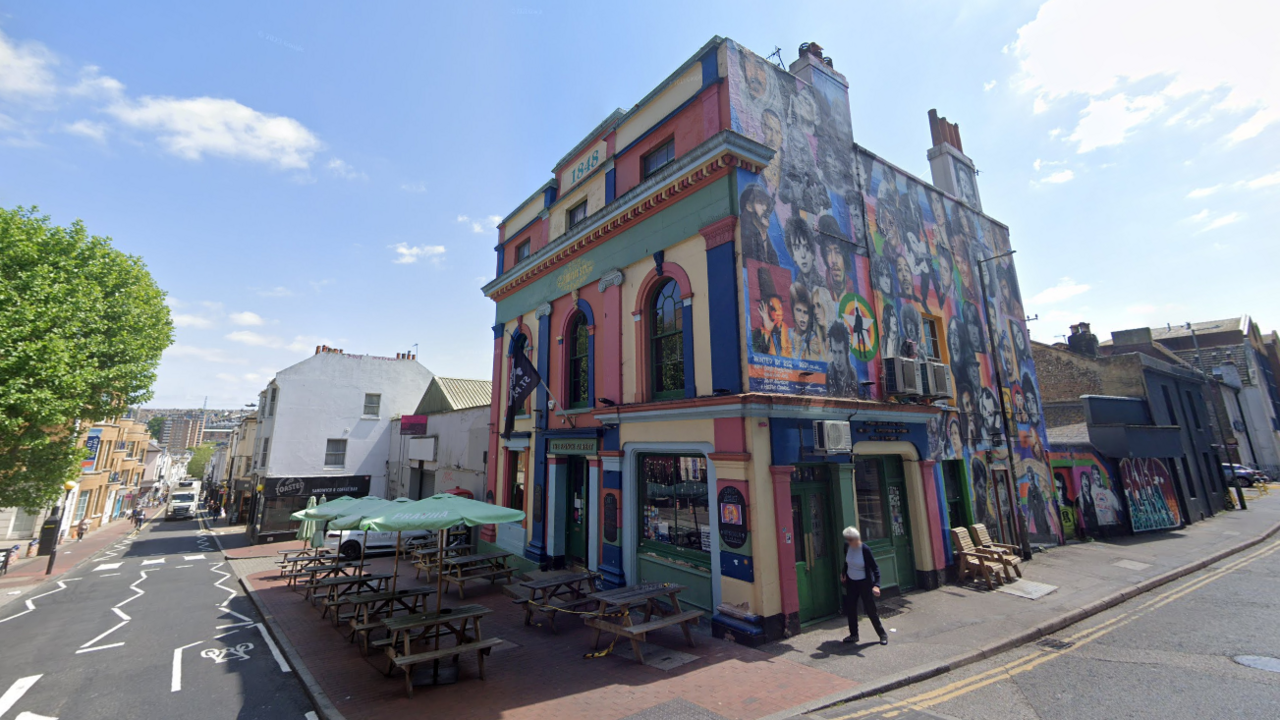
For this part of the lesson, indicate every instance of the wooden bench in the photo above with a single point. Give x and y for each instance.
(636, 633)
(1006, 554)
(972, 563)
(408, 662)
(490, 566)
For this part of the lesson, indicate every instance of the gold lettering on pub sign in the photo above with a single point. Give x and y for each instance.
(574, 275)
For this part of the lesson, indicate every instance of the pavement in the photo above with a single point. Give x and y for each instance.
(537, 674)
(150, 625)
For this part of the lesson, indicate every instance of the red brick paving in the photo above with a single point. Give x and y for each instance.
(541, 675)
(70, 553)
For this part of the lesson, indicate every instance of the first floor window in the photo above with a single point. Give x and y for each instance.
(372, 404)
(579, 364)
(522, 250)
(666, 338)
(266, 445)
(578, 213)
(660, 157)
(674, 506)
(335, 453)
(932, 346)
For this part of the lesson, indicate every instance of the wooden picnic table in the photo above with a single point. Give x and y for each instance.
(340, 585)
(428, 558)
(403, 629)
(613, 614)
(295, 564)
(491, 566)
(320, 571)
(567, 591)
(371, 608)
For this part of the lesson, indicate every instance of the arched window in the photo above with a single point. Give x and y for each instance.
(666, 342)
(579, 363)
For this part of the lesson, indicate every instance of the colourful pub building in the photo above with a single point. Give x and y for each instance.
(754, 332)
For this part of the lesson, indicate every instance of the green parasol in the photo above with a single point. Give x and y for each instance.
(307, 530)
(361, 509)
(440, 512)
(325, 511)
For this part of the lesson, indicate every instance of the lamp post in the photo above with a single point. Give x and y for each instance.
(51, 526)
(1024, 539)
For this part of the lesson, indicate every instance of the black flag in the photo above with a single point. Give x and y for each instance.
(524, 378)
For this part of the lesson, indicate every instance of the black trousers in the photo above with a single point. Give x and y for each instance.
(856, 591)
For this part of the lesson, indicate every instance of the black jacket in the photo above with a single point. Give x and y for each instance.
(873, 570)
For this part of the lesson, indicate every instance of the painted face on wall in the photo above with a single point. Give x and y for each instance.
(953, 433)
(887, 224)
(801, 253)
(945, 271)
(906, 281)
(974, 372)
(889, 329)
(955, 340)
(804, 111)
(918, 250)
(882, 274)
(775, 311)
(973, 325)
(990, 411)
(835, 264)
(757, 77)
(802, 314)
(772, 129)
(912, 327)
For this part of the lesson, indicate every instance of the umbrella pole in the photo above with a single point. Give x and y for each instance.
(395, 572)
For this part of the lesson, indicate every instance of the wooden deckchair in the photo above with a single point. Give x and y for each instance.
(1008, 554)
(973, 563)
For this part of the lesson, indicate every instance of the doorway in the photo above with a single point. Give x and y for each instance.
(817, 556)
(577, 520)
(953, 486)
(883, 520)
(1004, 505)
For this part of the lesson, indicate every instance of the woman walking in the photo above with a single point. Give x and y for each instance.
(861, 578)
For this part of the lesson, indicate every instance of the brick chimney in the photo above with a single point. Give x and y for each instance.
(812, 60)
(1082, 340)
(953, 172)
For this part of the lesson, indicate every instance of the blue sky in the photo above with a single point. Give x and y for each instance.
(304, 173)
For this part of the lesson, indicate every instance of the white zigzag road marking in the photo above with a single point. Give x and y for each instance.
(225, 576)
(31, 606)
(134, 587)
(124, 621)
(246, 620)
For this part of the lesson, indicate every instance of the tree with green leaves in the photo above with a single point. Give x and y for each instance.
(199, 458)
(82, 327)
(155, 426)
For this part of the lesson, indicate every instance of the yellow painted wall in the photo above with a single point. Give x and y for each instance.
(685, 87)
(767, 593)
(592, 190)
(686, 431)
(524, 216)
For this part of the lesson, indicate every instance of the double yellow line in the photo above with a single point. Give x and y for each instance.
(1039, 656)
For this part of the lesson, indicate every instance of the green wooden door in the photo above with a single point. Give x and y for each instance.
(816, 556)
(576, 514)
(883, 519)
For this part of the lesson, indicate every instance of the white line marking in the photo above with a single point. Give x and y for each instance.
(16, 691)
(114, 628)
(232, 632)
(175, 684)
(107, 566)
(311, 715)
(100, 647)
(247, 621)
(179, 567)
(134, 587)
(120, 613)
(275, 651)
(153, 562)
(24, 715)
(193, 557)
(225, 576)
(31, 606)
(108, 574)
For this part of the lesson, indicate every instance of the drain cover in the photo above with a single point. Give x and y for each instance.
(1055, 644)
(1259, 662)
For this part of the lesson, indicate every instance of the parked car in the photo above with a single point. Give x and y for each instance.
(350, 543)
(1246, 475)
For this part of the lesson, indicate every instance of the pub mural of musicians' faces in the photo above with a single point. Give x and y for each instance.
(1148, 488)
(1089, 494)
(925, 253)
(813, 331)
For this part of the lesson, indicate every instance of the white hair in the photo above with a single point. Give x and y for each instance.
(851, 533)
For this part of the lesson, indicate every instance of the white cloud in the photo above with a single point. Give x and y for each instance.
(483, 225)
(1059, 177)
(277, 291)
(88, 129)
(1264, 181)
(1181, 51)
(406, 254)
(1203, 192)
(1223, 220)
(249, 337)
(1202, 215)
(1066, 288)
(191, 321)
(986, 86)
(194, 127)
(93, 84)
(1039, 105)
(213, 355)
(1108, 122)
(247, 318)
(26, 69)
(318, 284)
(417, 187)
(343, 170)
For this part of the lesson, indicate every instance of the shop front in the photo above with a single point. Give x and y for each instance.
(279, 497)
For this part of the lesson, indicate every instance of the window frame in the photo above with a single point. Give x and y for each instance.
(524, 249)
(328, 453)
(578, 364)
(569, 222)
(266, 445)
(668, 147)
(932, 323)
(654, 339)
(662, 549)
(377, 407)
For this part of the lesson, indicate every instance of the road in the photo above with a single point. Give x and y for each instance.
(154, 626)
(1167, 654)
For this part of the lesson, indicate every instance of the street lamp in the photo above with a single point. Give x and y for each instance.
(1025, 540)
(50, 528)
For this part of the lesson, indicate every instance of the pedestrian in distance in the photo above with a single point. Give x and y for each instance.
(860, 576)
(81, 529)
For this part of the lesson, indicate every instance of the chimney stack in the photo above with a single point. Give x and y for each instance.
(811, 59)
(953, 172)
(1082, 340)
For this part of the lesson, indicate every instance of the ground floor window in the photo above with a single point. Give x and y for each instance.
(276, 512)
(953, 486)
(517, 462)
(673, 506)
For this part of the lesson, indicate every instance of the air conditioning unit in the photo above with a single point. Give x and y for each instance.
(902, 376)
(832, 436)
(939, 380)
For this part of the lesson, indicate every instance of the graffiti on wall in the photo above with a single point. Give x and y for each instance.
(1149, 490)
(1088, 494)
(813, 330)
